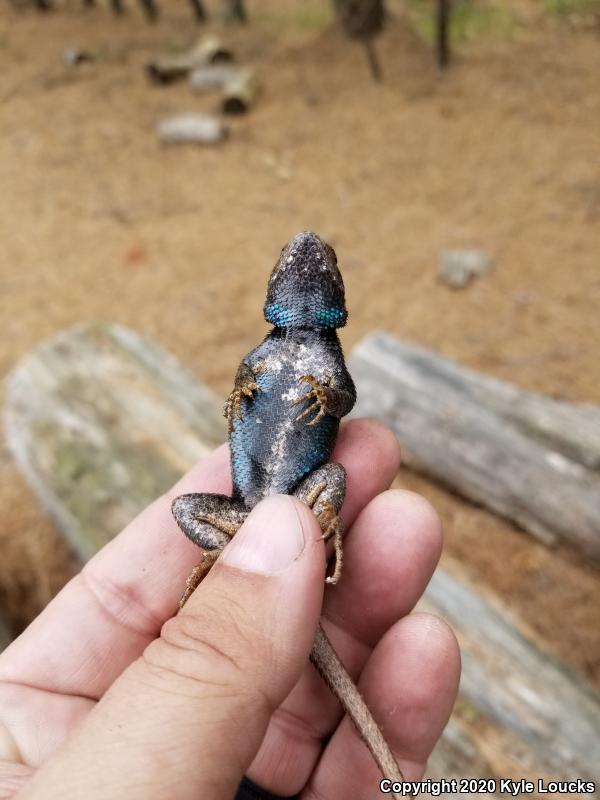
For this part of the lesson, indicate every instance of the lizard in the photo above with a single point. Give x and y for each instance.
(283, 416)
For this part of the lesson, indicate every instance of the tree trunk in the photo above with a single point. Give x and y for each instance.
(442, 34)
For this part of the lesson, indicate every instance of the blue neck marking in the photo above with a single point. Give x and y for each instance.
(282, 317)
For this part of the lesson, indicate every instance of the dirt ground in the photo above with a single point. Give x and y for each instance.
(98, 221)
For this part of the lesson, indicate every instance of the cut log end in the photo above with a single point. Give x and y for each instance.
(239, 93)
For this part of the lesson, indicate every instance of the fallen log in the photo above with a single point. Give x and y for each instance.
(101, 421)
(532, 699)
(191, 128)
(530, 458)
(169, 67)
(211, 77)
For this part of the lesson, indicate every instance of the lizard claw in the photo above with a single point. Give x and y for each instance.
(233, 405)
(318, 394)
(331, 527)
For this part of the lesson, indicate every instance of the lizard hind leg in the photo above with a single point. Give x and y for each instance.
(323, 491)
(208, 520)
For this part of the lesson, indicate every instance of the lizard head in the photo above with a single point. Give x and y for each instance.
(306, 289)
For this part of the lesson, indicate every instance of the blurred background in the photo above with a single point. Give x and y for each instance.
(497, 152)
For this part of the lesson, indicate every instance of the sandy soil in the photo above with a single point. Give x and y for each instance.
(98, 221)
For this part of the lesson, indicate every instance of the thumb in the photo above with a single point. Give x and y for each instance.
(186, 719)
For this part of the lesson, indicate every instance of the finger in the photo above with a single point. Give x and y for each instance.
(34, 723)
(370, 454)
(108, 613)
(102, 620)
(410, 683)
(13, 777)
(191, 713)
(390, 554)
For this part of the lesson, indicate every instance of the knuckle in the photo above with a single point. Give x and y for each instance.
(198, 641)
(205, 652)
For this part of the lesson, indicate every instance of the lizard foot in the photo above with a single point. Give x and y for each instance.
(323, 492)
(233, 405)
(331, 527)
(208, 520)
(244, 386)
(198, 574)
(317, 397)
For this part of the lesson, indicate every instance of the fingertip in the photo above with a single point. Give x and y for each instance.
(370, 454)
(427, 655)
(409, 683)
(430, 638)
(373, 435)
(420, 520)
(396, 541)
(278, 532)
(307, 518)
(403, 531)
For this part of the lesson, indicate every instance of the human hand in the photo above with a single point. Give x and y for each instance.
(96, 702)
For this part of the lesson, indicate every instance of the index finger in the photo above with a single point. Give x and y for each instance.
(104, 618)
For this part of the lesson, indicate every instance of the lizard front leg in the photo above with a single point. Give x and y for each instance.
(324, 397)
(323, 491)
(209, 520)
(244, 385)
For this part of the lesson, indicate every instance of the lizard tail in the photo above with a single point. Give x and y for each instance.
(333, 672)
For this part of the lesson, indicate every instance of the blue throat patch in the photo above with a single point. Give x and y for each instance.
(281, 317)
(278, 315)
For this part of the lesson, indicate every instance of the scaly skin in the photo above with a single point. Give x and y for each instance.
(283, 415)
